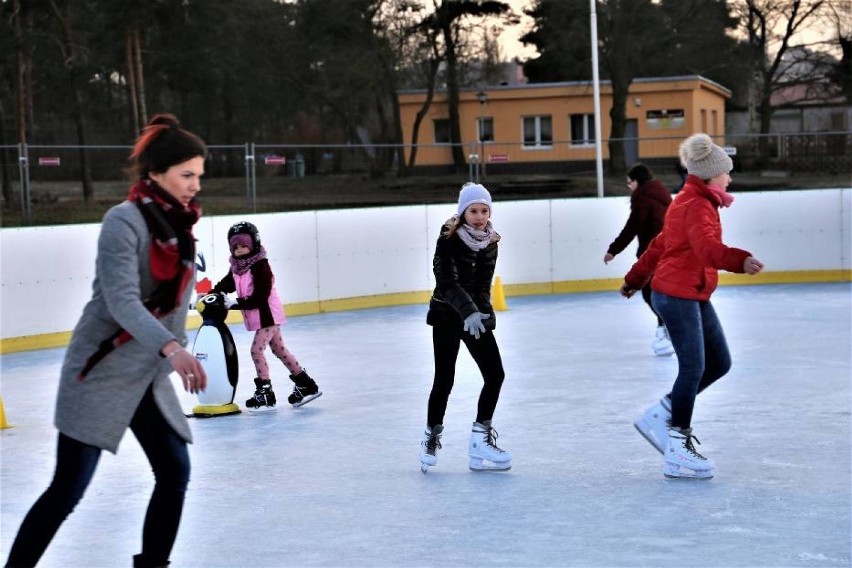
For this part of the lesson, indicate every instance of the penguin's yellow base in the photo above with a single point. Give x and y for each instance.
(211, 410)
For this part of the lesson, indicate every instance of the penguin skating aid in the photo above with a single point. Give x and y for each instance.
(215, 349)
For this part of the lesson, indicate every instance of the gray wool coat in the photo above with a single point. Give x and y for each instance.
(98, 409)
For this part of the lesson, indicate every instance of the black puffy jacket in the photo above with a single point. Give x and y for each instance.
(463, 281)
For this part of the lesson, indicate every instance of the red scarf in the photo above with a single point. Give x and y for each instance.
(171, 257)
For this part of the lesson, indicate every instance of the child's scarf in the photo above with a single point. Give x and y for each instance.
(241, 264)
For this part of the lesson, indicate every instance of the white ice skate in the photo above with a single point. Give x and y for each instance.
(682, 461)
(429, 447)
(654, 424)
(662, 345)
(483, 451)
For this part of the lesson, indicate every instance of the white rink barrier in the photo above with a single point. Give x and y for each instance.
(344, 259)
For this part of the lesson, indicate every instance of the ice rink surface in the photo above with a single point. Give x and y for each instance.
(337, 482)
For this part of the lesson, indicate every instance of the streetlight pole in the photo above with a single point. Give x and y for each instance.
(480, 129)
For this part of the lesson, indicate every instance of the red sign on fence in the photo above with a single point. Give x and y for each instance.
(274, 160)
(53, 161)
(498, 157)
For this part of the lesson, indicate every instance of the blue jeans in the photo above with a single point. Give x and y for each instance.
(701, 349)
(75, 465)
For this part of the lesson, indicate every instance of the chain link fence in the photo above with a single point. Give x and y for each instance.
(57, 184)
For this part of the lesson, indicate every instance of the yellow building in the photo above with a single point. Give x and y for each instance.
(554, 122)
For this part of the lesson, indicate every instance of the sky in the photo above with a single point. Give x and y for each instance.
(510, 45)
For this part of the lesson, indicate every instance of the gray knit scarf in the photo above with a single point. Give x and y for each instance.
(475, 239)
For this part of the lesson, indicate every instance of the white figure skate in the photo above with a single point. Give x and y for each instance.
(429, 447)
(682, 461)
(662, 345)
(483, 451)
(654, 424)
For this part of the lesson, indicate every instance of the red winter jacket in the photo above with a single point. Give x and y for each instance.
(684, 259)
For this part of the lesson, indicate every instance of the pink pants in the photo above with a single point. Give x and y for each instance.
(272, 337)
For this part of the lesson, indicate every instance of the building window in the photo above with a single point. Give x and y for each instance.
(582, 129)
(486, 129)
(538, 131)
(442, 130)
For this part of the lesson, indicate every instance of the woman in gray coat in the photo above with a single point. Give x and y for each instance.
(127, 342)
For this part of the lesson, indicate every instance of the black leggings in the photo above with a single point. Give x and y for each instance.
(75, 465)
(446, 339)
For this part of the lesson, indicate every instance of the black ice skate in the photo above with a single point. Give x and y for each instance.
(304, 389)
(263, 399)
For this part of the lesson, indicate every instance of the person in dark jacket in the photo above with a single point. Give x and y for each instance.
(252, 279)
(682, 264)
(129, 339)
(649, 200)
(460, 311)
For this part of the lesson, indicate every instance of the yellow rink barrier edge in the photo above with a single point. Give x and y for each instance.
(60, 339)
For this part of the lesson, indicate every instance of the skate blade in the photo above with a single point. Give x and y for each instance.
(648, 438)
(478, 464)
(307, 399)
(672, 471)
(261, 409)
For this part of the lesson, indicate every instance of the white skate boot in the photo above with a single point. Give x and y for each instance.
(662, 345)
(681, 458)
(483, 451)
(429, 447)
(654, 424)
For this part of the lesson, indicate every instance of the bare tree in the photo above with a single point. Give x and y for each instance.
(447, 19)
(782, 55)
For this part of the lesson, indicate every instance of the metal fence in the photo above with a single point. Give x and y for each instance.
(252, 177)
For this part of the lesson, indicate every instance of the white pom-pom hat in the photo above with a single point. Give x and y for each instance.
(702, 158)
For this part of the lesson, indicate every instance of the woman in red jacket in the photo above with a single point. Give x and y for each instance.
(649, 200)
(682, 263)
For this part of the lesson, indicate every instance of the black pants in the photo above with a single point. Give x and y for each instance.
(446, 340)
(75, 465)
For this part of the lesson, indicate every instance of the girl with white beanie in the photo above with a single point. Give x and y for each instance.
(460, 311)
(682, 264)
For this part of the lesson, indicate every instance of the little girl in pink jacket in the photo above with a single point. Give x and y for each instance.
(252, 279)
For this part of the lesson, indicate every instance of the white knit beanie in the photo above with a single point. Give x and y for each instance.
(702, 158)
(473, 193)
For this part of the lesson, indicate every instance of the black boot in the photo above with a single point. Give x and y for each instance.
(304, 391)
(264, 398)
(140, 561)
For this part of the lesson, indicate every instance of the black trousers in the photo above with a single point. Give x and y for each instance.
(75, 466)
(446, 339)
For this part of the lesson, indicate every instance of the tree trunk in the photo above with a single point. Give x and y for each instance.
(765, 114)
(73, 65)
(20, 73)
(140, 76)
(617, 113)
(459, 162)
(131, 83)
(5, 160)
(434, 64)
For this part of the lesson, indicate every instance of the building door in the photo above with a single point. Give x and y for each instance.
(631, 142)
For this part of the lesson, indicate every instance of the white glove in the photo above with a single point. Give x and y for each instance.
(229, 302)
(473, 324)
